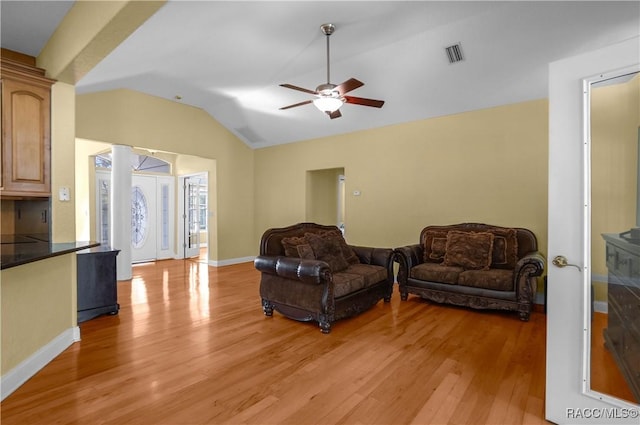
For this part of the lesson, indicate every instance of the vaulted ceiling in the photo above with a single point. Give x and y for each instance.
(230, 57)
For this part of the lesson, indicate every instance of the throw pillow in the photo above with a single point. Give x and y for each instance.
(297, 246)
(469, 250)
(305, 252)
(347, 251)
(327, 250)
(505, 248)
(435, 245)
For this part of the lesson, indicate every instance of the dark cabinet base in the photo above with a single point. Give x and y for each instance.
(613, 344)
(84, 315)
(622, 336)
(97, 283)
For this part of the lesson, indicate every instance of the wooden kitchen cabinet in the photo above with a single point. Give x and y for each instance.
(26, 130)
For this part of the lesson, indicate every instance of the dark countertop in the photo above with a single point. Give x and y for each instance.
(16, 250)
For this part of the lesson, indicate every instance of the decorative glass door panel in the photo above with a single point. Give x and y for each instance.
(143, 218)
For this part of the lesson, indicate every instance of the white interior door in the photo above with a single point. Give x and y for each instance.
(191, 216)
(569, 398)
(143, 218)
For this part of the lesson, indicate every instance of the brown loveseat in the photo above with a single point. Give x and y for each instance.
(309, 272)
(474, 265)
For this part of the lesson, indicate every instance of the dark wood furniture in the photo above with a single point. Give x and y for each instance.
(622, 335)
(97, 283)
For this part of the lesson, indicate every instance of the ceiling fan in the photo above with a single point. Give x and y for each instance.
(330, 97)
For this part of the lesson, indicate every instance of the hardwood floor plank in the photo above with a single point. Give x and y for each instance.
(192, 346)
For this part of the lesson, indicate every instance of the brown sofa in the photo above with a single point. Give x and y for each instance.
(309, 272)
(474, 265)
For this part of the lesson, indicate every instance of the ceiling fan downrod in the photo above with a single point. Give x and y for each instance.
(328, 29)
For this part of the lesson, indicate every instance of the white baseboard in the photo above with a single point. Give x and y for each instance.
(601, 307)
(17, 376)
(231, 261)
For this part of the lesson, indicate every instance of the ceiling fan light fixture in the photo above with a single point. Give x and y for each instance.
(328, 103)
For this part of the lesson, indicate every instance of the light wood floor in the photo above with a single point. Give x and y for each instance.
(192, 346)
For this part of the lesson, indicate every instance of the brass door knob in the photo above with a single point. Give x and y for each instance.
(561, 261)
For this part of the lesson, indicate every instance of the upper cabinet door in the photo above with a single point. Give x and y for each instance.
(26, 133)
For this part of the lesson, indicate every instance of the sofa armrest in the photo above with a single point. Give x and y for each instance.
(531, 264)
(308, 271)
(376, 256)
(407, 257)
(527, 269)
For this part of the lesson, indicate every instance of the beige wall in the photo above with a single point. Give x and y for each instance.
(135, 119)
(615, 121)
(482, 166)
(63, 217)
(36, 310)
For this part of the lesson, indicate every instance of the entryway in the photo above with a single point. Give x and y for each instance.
(325, 199)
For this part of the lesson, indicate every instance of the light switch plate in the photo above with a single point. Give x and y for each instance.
(63, 194)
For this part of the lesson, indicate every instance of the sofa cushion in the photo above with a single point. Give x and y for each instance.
(346, 283)
(435, 245)
(496, 279)
(505, 248)
(297, 246)
(372, 274)
(469, 250)
(327, 250)
(356, 277)
(433, 272)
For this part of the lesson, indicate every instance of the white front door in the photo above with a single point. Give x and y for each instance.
(569, 397)
(162, 211)
(143, 218)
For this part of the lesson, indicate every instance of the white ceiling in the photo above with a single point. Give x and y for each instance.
(229, 57)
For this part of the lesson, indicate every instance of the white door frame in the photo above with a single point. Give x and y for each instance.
(182, 229)
(569, 398)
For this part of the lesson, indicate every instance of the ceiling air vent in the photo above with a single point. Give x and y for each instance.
(454, 53)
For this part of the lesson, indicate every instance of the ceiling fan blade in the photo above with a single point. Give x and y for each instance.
(334, 114)
(364, 102)
(289, 86)
(347, 86)
(296, 104)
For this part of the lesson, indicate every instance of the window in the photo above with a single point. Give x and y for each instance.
(138, 163)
